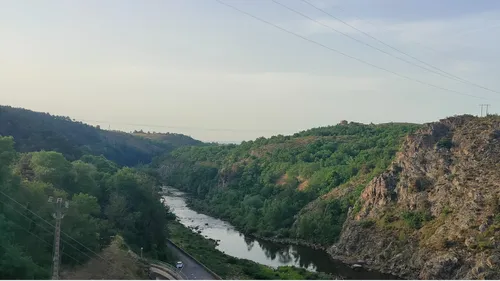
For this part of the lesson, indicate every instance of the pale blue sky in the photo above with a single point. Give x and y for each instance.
(196, 65)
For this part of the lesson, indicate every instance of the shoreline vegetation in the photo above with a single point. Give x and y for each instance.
(229, 267)
(347, 261)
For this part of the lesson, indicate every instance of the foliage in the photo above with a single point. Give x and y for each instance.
(177, 140)
(35, 131)
(415, 219)
(230, 267)
(262, 186)
(103, 201)
(445, 142)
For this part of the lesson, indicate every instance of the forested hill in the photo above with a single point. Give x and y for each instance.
(104, 201)
(298, 187)
(35, 131)
(169, 138)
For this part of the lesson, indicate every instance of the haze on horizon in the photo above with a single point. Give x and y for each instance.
(205, 70)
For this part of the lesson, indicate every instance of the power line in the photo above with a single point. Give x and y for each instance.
(69, 236)
(338, 7)
(180, 127)
(58, 215)
(446, 74)
(44, 228)
(36, 236)
(360, 41)
(42, 268)
(347, 55)
(484, 105)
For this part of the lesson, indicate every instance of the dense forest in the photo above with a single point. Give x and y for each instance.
(35, 131)
(104, 200)
(59, 158)
(298, 187)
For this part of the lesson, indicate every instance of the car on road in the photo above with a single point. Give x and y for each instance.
(179, 265)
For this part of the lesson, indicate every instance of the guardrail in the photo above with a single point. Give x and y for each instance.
(174, 274)
(168, 268)
(163, 272)
(160, 264)
(193, 258)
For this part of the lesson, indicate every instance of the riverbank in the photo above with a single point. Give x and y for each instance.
(349, 262)
(190, 203)
(229, 267)
(271, 251)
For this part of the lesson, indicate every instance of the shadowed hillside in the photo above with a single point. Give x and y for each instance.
(35, 131)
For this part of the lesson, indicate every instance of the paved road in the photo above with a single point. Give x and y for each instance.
(192, 269)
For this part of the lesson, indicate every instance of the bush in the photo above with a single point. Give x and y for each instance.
(367, 223)
(416, 219)
(445, 142)
(447, 210)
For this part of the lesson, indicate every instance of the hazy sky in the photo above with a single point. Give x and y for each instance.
(201, 68)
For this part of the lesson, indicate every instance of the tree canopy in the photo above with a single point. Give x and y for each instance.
(104, 201)
(267, 186)
(35, 131)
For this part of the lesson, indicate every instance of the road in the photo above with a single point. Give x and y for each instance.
(191, 269)
(162, 273)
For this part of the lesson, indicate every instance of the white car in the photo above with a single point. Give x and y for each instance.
(179, 265)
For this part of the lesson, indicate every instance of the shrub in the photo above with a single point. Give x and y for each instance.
(445, 142)
(367, 223)
(415, 219)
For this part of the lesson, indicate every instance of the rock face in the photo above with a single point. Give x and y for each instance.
(434, 214)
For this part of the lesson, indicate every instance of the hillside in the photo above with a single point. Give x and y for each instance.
(429, 211)
(271, 187)
(435, 213)
(104, 201)
(110, 210)
(123, 266)
(35, 131)
(176, 140)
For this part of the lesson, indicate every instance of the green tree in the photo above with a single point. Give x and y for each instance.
(51, 167)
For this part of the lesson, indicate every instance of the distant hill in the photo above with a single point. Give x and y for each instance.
(168, 138)
(228, 142)
(34, 131)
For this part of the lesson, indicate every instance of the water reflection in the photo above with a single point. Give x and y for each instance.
(236, 244)
(250, 243)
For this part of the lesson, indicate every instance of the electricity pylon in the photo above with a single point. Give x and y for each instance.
(58, 215)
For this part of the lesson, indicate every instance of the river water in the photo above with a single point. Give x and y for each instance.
(234, 243)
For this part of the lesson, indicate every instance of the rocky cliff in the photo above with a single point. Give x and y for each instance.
(434, 214)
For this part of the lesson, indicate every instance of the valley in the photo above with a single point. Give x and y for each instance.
(388, 196)
(412, 201)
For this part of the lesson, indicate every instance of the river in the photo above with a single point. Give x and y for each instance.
(236, 244)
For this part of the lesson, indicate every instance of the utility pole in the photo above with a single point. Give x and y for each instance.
(58, 215)
(484, 105)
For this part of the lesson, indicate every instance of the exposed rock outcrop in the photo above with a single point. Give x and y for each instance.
(434, 214)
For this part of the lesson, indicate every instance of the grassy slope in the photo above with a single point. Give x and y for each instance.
(121, 265)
